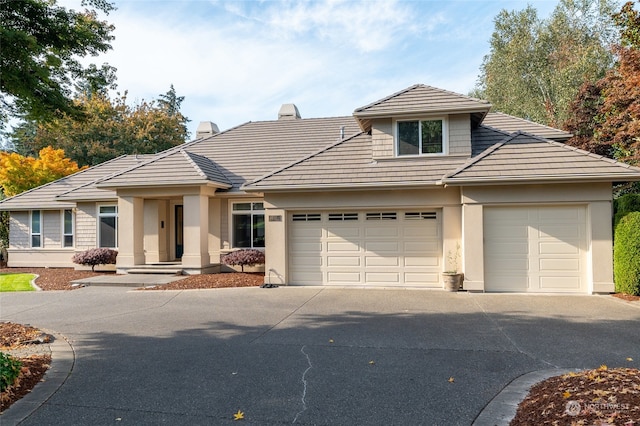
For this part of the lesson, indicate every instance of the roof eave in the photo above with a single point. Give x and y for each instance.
(540, 179)
(136, 185)
(341, 186)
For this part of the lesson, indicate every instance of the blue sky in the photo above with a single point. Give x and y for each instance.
(238, 61)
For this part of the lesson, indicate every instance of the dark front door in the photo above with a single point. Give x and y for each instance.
(179, 232)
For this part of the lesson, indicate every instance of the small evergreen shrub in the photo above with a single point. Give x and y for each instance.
(624, 205)
(626, 255)
(244, 257)
(96, 256)
(9, 370)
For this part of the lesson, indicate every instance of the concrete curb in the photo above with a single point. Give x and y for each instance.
(502, 408)
(62, 361)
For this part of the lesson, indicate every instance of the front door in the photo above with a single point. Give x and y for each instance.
(179, 232)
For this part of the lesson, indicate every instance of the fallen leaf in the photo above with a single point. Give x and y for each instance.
(566, 394)
(372, 362)
(603, 367)
(451, 380)
(238, 416)
(629, 359)
(330, 340)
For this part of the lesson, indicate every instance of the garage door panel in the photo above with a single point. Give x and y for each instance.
(558, 247)
(306, 261)
(379, 248)
(571, 265)
(549, 257)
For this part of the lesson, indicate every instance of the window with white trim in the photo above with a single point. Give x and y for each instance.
(36, 228)
(108, 226)
(67, 228)
(247, 225)
(420, 137)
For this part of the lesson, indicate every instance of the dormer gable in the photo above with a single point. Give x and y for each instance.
(421, 120)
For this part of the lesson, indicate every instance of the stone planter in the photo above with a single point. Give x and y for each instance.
(452, 281)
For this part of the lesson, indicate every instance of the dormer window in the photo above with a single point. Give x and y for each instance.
(421, 137)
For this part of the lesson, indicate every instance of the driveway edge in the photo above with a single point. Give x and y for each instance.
(502, 408)
(62, 361)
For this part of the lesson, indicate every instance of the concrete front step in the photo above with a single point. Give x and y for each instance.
(163, 271)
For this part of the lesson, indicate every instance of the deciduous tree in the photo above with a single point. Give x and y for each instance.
(41, 56)
(19, 173)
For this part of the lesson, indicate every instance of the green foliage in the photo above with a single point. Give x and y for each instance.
(9, 370)
(628, 20)
(626, 255)
(624, 205)
(110, 128)
(535, 67)
(41, 56)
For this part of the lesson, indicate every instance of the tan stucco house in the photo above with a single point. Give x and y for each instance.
(385, 197)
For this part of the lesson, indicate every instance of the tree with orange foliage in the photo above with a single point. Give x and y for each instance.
(19, 173)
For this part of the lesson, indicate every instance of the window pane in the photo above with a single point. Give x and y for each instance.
(68, 222)
(258, 206)
(242, 230)
(408, 138)
(242, 206)
(68, 241)
(108, 209)
(35, 222)
(108, 232)
(35, 241)
(258, 230)
(431, 137)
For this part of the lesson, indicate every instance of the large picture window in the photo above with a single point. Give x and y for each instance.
(248, 225)
(420, 137)
(108, 226)
(36, 228)
(67, 228)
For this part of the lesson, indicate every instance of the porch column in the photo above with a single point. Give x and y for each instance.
(196, 232)
(130, 232)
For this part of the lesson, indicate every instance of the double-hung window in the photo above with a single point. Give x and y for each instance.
(67, 228)
(420, 137)
(108, 226)
(36, 228)
(247, 225)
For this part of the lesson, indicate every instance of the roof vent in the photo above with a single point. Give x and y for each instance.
(288, 112)
(206, 128)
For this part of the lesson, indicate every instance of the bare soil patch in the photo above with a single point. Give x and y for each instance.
(20, 338)
(593, 397)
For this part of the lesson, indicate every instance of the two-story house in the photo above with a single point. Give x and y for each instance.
(415, 184)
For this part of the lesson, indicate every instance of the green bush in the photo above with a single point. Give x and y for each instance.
(626, 255)
(624, 205)
(9, 370)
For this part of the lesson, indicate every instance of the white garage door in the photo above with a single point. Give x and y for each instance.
(535, 249)
(400, 248)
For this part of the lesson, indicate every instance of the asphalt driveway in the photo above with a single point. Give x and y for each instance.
(311, 355)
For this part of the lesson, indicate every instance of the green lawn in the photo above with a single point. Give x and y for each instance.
(16, 282)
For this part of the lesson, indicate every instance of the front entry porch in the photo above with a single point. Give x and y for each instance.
(168, 233)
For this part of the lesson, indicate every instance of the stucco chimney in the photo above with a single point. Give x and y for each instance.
(288, 112)
(206, 128)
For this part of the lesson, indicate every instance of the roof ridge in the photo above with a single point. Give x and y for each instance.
(191, 161)
(62, 178)
(386, 98)
(190, 157)
(526, 119)
(300, 160)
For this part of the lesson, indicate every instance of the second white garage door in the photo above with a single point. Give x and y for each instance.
(535, 249)
(399, 248)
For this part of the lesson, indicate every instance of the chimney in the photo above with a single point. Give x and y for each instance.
(206, 128)
(288, 112)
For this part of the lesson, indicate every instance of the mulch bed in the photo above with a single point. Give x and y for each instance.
(593, 397)
(222, 280)
(17, 337)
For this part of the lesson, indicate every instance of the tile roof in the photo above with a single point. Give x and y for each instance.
(511, 124)
(527, 158)
(44, 196)
(175, 167)
(349, 164)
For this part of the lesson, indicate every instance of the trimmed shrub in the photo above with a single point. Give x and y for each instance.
(96, 256)
(244, 257)
(9, 370)
(624, 205)
(626, 255)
